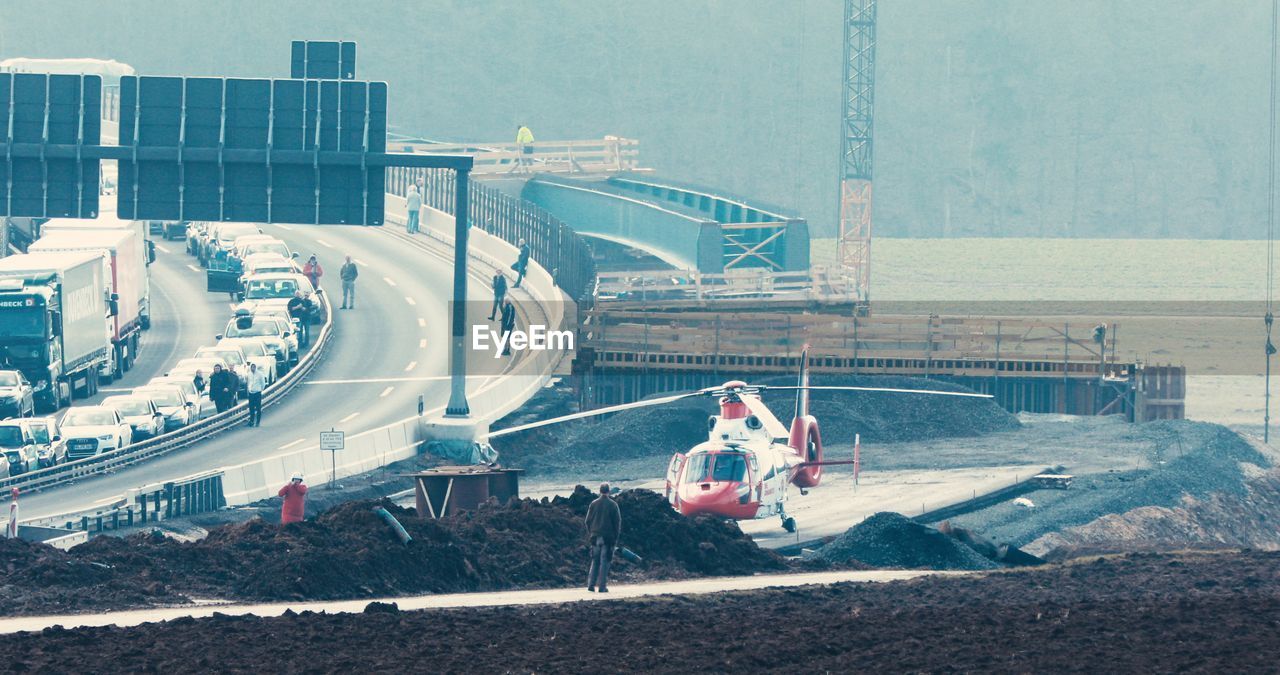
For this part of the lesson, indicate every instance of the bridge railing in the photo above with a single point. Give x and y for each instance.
(743, 287)
(552, 244)
(607, 155)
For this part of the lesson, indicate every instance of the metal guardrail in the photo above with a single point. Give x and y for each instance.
(178, 438)
(201, 493)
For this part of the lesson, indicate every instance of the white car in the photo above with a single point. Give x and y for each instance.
(272, 288)
(255, 244)
(200, 401)
(140, 412)
(279, 326)
(255, 350)
(92, 430)
(268, 263)
(204, 364)
(172, 402)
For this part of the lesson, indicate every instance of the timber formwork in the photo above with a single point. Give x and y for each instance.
(1033, 366)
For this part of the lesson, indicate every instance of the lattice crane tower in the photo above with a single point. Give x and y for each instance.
(855, 142)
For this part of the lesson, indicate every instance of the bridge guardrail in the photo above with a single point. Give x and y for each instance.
(178, 438)
(607, 155)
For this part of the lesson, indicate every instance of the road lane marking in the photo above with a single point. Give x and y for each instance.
(410, 300)
(381, 380)
(290, 444)
(411, 366)
(390, 282)
(422, 344)
(350, 417)
(284, 227)
(422, 322)
(193, 268)
(324, 243)
(386, 392)
(162, 249)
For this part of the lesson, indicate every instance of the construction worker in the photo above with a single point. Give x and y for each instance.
(294, 507)
(499, 293)
(524, 138)
(256, 385)
(223, 385)
(413, 206)
(521, 265)
(604, 526)
(348, 274)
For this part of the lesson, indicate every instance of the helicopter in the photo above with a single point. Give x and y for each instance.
(750, 462)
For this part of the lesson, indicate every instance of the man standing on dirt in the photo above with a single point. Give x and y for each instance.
(223, 386)
(604, 526)
(348, 274)
(294, 507)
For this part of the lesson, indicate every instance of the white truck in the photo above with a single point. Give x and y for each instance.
(107, 220)
(126, 274)
(54, 318)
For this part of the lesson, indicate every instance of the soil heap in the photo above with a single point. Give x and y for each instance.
(889, 539)
(349, 552)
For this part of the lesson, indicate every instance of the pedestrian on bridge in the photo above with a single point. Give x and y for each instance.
(223, 385)
(256, 385)
(499, 293)
(312, 271)
(294, 507)
(508, 325)
(412, 203)
(300, 310)
(524, 139)
(521, 265)
(348, 274)
(604, 526)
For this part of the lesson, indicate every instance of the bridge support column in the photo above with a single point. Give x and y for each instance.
(457, 353)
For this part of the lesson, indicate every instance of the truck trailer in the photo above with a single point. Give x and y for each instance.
(107, 220)
(126, 277)
(55, 318)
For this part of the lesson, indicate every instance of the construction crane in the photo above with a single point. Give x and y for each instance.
(855, 143)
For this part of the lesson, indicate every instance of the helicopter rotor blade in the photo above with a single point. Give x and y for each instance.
(598, 411)
(766, 416)
(890, 390)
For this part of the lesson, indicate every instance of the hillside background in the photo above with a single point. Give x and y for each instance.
(1029, 118)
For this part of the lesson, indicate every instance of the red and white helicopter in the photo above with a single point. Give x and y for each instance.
(748, 464)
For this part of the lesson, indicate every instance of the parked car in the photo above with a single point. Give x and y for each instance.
(50, 446)
(17, 398)
(255, 351)
(221, 237)
(201, 403)
(267, 263)
(255, 244)
(266, 324)
(92, 430)
(272, 289)
(144, 418)
(18, 447)
(173, 404)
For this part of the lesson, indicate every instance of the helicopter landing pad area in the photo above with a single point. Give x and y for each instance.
(837, 504)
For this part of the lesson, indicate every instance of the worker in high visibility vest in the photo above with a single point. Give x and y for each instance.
(524, 138)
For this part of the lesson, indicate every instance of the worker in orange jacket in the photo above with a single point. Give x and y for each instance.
(295, 500)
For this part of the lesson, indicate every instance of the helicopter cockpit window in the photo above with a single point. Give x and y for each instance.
(715, 468)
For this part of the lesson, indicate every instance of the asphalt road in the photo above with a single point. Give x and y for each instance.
(398, 330)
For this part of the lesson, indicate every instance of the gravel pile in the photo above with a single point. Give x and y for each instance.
(1194, 459)
(892, 540)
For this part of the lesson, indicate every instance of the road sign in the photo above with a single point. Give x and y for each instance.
(254, 150)
(38, 111)
(323, 60)
(332, 440)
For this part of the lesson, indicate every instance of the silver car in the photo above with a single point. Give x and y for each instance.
(139, 412)
(170, 400)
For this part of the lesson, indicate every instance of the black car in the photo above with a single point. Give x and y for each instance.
(17, 399)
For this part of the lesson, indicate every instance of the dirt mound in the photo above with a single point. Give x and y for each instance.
(349, 552)
(892, 540)
(891, 417)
